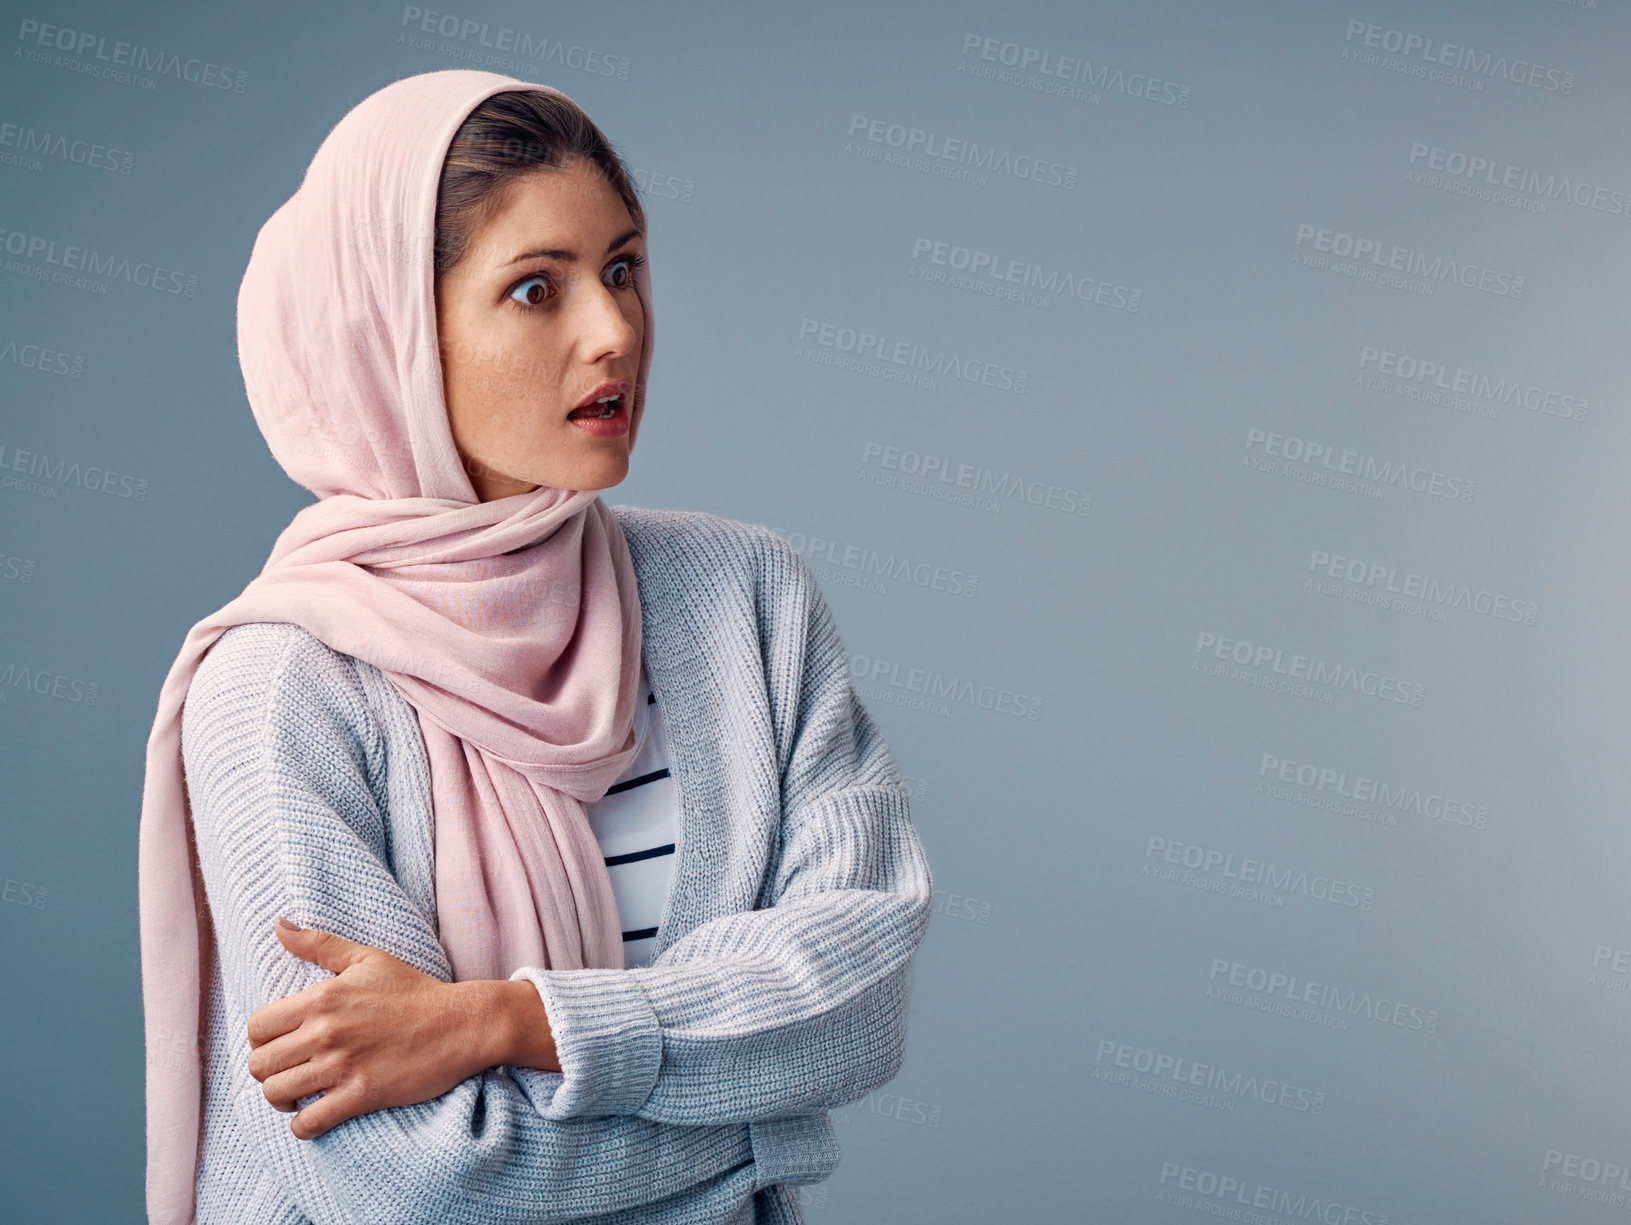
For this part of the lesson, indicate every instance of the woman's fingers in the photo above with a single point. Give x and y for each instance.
(285, 1089)
(326, 949)
(331, 951)
(378, 1034)
(333, 1108)
(282, 1053)
(271, 1021)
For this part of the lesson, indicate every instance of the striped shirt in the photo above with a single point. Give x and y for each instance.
(635, 824)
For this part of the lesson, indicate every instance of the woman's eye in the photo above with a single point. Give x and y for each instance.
(627, 270)
(533, 290)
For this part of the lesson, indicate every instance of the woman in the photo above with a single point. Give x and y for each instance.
(408, 735)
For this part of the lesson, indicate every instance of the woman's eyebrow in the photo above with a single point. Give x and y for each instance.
(570, 257)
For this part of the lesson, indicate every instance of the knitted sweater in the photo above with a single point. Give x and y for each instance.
(692, 1090)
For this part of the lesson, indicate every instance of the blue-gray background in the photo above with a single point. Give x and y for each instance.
(1222, 927)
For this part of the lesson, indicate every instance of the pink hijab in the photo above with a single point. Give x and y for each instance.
(512, 627)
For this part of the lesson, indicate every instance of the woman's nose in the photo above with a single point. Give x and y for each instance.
(607, 332)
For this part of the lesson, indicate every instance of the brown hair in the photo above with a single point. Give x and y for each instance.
(508, 136)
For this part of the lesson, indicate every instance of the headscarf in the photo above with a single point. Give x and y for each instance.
(512, 627)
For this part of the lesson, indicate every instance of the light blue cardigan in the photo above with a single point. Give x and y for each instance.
(692, 1090)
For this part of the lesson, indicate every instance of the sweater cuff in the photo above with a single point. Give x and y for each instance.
(798, 1149)
(607, 1039)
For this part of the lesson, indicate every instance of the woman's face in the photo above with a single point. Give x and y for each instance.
(539, 314)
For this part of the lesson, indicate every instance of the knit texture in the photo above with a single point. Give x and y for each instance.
(692, 1090)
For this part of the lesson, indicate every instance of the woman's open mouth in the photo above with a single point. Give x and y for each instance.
(600, 408)
(606, 416)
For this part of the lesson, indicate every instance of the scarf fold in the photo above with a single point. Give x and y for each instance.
(512, 627)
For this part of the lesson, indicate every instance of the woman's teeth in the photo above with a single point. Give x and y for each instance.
(600, 408)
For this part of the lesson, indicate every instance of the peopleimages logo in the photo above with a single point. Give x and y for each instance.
(1494, 176)
(1307, 668)
(79, 152)
(23, 893)
(885, 677)
(1455, 56)
(1609, 967)
(1183, 1072)
(936, 147)
(976, 479)
(481, 37)
(1323, 458)
(70, 257)
(1373, 255)
(1379, 579)
(1587, 1169)
(31, 356)
(1053, 67)
(1422, 377)
(655, 185)
(94, 55)
(71, 472)
(906, 361)
(47, 684)
(1291, 989)
(15, 569)
(1257, 872)
(1214, 1194)
(867, 565)
(1325, 781)
(985, 268)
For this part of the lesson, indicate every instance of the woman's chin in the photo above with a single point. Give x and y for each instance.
(595, 472)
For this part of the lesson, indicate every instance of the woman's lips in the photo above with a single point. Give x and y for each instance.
(603, 427)
(612, 387)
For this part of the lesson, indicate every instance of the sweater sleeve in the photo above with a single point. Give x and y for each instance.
(800, 1005)
(283, 772)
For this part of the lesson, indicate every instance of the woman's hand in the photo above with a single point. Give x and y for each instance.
(379, 1034)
